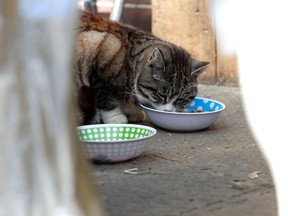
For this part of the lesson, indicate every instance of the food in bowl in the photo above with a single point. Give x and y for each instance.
(114, 142)
(198, 115)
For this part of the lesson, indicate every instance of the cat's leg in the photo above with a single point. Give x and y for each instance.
(113, 116)
(107, 103)
(87, 112)
(93, 108)
(137, 117)
(133, 112)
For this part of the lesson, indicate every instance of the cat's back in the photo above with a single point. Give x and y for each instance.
(100, 42)
(105, 45)
(94, 22)
(95, 31)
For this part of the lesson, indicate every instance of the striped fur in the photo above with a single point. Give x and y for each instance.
(117, 67)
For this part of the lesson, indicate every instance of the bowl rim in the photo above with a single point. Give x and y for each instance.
(154, 132)
(188, 113)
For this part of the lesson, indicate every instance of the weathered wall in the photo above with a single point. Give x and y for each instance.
(189, 23)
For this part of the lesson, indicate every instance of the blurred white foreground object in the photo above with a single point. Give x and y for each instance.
(42, 170)
(258, 32)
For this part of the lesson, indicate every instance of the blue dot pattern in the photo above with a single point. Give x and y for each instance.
(204, 105)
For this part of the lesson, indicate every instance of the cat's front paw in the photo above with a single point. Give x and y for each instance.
(114, 116)
(117, 119)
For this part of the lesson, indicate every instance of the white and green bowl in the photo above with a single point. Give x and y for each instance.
(114, 142)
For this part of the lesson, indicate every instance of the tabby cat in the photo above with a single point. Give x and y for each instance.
(118, 66)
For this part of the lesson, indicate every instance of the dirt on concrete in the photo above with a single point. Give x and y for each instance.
(218, 171)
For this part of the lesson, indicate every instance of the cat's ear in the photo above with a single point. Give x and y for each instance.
(156, 62)
(198, 67)
(156, 59)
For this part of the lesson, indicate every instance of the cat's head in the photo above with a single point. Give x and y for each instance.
(168, 80)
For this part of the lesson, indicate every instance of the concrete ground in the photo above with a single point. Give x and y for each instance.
(209, 172)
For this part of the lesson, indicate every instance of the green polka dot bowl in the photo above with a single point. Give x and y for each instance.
(111, 143)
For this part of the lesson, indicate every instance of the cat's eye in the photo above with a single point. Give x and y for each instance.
(182, 102)
(155, 98)
(163, 97)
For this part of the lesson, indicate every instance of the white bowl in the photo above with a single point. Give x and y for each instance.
(114, 142)
(206, 113)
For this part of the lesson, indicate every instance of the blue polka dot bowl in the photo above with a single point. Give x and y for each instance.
(198, 115)
(114, 142)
